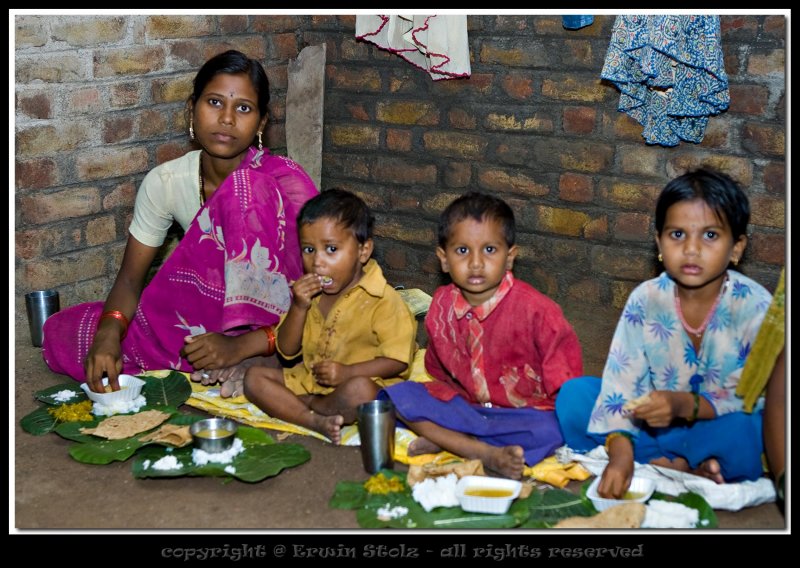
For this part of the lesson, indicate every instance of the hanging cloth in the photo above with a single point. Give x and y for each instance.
(437, 44)
(670, 73)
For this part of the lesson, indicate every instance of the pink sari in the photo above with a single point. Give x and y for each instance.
(229, 274)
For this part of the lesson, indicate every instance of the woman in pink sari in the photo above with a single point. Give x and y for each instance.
(213, 303)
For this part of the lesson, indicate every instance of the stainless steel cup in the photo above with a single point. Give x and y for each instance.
(376, 422)
(40, 304)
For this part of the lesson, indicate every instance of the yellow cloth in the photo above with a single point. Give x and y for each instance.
(207, 398)
(768, 344)
(369, 321)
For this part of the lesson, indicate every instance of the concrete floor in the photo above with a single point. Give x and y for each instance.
(52, 491)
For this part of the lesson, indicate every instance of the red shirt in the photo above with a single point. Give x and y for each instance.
(529, 348)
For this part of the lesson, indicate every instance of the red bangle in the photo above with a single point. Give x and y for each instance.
(270, 340)
(119, 316)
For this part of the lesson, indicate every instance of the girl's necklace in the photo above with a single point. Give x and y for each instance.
(202, 183)
(698, 331)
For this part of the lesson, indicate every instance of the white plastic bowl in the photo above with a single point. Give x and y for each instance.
(479, 504)
(130, 389)
(642, 486)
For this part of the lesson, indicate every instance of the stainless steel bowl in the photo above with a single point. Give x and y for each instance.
(213, 435)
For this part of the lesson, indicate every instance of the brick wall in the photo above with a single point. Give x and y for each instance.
(99, 101)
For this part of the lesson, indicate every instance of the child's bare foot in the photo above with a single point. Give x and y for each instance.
(232, 387)
(710, 469)
(329, 426)
(423, 446)
(508, 460)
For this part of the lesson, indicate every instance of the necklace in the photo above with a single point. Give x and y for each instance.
(202, 183)
(698, 331)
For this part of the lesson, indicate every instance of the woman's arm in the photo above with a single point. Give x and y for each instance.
(105, 354)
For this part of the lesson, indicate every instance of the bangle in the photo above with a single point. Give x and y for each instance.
(617, 435)
(270, 340)
(119, 316)
(696, 410)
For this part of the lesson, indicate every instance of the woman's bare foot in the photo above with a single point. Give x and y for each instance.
(232, 387)
(710, 469)
(508, 460)
(329, 426)
(423, 446)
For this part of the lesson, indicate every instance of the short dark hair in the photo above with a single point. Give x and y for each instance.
(719, 191)
(341, 206)
(478, 206)
(233, 62)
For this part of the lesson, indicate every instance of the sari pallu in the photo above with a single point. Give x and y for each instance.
(229, 274)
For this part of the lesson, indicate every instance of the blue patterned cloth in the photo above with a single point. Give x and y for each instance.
(576, 22)
(670, 73)
(652, 351)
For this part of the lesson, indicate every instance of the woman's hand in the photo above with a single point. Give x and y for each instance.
(104, 357)
(330, 373)
(616, 478)
(211, 351)
(661, 408)
(304, 289)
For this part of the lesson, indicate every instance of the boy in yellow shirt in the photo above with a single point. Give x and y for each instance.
(353, 330)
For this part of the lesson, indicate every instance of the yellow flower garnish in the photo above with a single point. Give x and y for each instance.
(76, 412)
(381, 485)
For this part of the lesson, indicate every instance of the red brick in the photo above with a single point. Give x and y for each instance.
(396, 258)
(117, 129)
(398, 140)
(575, 187)
(171, 150)
(403, 172)
(775, 26)
(767, 63)
(632, 227)
(358, 111)
(34, 105)
(275, 24)
(764, 139)
(457, 174)
(123, 195)
(749, 99)
(518, 86)
(285, 46)
(775, 177)
(579, 120)
(768, 211)
(36, 173)
(40, 208)
(767, 248)
(461, 118)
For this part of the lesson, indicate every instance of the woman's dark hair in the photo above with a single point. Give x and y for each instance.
(478, 206)
(341, 206)
(720, 192)
(233, 62)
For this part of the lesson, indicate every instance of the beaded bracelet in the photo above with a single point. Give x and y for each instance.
(696, 410)
(619, 434)
(120, 317)
(270, 340)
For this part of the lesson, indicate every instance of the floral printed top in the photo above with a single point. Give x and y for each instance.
(652, 351)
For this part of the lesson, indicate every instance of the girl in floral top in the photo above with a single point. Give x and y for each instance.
(667, 395)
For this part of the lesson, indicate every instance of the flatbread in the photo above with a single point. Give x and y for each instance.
(623, 516)
(121, 427)
(418, 473)
(170, 434)
(631, 405)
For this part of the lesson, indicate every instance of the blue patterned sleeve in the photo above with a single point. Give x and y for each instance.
(626, 371)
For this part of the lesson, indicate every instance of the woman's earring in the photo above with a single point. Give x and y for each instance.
(191, 130)
(260, 143)
(660, 258)
(735, 261)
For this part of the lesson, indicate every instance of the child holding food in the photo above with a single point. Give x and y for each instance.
(353, 330)
(667, 396)
(498, 349)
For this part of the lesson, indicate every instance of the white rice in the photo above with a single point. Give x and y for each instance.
(230, 469)
(119, 407)
(64, 395)
(146, 464)
(387, 513)
(436, 492)
(666, 515)
(201, 457)
(167, 463)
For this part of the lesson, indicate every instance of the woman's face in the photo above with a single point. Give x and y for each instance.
(226, 117)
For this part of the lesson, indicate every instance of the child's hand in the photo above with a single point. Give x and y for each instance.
(330, 373)
(659, 410)
(305, 288)
(616, 479)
